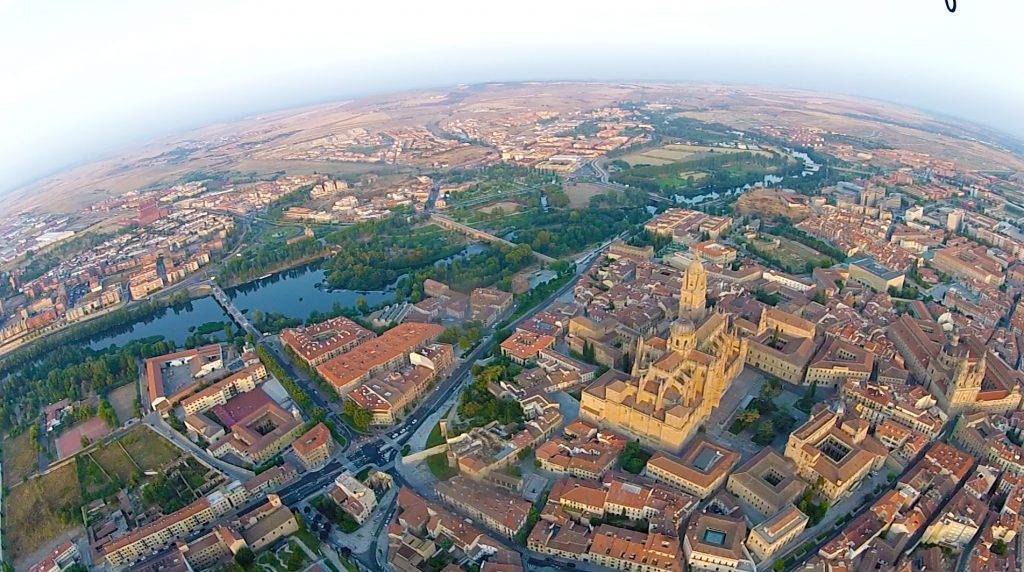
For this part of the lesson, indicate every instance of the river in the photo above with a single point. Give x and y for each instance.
(295, 293)
(172, 324)
(298, 292)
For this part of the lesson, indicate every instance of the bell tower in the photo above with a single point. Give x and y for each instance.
(693, 292)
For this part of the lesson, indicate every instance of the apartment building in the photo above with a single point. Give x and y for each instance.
(314, 447)
(220, 392)
(320, 342)
(493, 507)
(522, 346)
(386, 352)
(622, 549)
(581, 451)
(715, 543)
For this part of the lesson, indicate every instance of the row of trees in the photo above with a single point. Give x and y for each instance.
(559, 232)
(372, 255)
(73, 372)
(266, 257)
(294, 391)
(495, 265)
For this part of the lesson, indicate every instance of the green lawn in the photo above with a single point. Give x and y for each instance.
(438, 465)
(435, 439)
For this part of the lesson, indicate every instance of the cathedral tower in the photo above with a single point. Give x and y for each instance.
(694, 291)
(955, 376)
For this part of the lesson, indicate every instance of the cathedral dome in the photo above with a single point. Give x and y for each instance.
(682, 327)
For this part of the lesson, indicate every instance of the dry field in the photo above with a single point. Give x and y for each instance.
(581, 193)
(20, 459)
(123, 401)
(41, 509)
(237, 145)
(506, 207)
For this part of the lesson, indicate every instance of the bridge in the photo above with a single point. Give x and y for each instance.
(471, 232)
(236, 315)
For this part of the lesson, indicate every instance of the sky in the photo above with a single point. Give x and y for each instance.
(85, 78)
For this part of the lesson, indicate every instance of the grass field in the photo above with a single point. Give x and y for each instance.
(435, 438)
(114, 461)
(438, 465)
(123, 401)
(503, 206)
(794, 255)
(94, 481)
(674, 153)
(149, 450)
(580, 193)
(39, 510)
(19, 458)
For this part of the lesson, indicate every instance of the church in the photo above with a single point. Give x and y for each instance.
(677, 382)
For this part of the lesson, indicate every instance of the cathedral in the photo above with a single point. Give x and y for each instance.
(675, 382)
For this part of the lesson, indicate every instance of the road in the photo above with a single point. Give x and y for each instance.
(382, 450)
(156, 423)
(855, 511)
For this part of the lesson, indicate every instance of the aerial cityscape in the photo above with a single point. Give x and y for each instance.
(556, 321)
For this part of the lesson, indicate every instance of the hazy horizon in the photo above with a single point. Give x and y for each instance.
(92, 78)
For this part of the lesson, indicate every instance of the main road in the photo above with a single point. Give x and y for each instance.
(380, 450)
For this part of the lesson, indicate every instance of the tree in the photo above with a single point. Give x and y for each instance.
(589, 354)
(807, 400)
(107, 414)
(765, 433)
(245, 557)
(999, 547)
(771, 389)
(359, 417)
(634, 458)
(748, 416)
